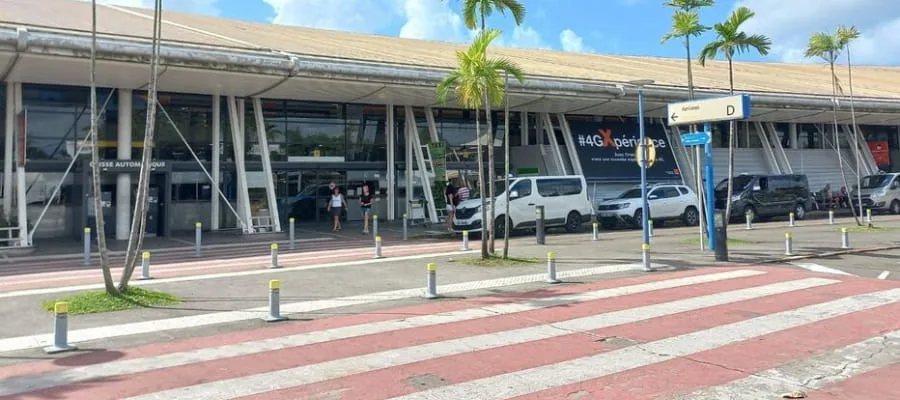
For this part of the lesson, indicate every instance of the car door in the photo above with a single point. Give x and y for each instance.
(672, 202)
(657, 200)
(521, 207)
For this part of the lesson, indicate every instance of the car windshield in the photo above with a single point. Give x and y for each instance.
(499, 189)
(740, 183)
(631, 194)
(875, 181)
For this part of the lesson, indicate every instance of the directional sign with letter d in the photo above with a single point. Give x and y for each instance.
(709, 110)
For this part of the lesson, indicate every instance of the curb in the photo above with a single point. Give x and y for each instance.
(829, 254)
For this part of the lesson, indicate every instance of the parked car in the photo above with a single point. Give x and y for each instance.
(766, 196)
(667, 202)
(879, 192)
(565, 200)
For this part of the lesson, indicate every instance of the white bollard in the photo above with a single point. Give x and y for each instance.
(292, 237)
(869, 216)
(788, 244)
(791, 220)
(375, 225)
(377, 247)
(87, 246)
(145, 266)
(650, 227)
(596, 231)
(275, 302)
(274, 251)
(431, 281)
(198, 236)
(551, 268)
(465, 246)
(830, 217)
(60, 329)
(405, 227)
(748, 218)
(845, 238)
(645, 257)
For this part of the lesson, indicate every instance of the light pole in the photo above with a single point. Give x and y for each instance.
(645, 204)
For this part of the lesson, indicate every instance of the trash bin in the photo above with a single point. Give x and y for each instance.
(720, 236)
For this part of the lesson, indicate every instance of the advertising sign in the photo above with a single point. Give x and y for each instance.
(607, 151)
(438, 153)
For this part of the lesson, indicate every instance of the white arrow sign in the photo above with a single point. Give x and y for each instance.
(709, 110)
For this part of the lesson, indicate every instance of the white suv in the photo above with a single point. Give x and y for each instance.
(667, 202)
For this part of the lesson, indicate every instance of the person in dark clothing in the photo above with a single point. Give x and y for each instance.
(450, 199)
(365, 203)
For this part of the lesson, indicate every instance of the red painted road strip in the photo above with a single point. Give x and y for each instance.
(880, 384)
(215, 267)
(326, 323)
(392, 382)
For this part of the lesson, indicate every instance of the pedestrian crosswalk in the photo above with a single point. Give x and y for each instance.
(749, 333)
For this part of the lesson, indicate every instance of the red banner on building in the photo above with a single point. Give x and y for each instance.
(881, 153)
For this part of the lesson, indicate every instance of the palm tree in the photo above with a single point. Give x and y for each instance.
(477, 82)
(847, 34)
(828, 47)
(730, 41)
(95, 168)
(475, 12)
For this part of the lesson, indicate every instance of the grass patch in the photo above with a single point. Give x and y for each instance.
(867, 229)
(98, 301)
(497, 261)
(731, 241)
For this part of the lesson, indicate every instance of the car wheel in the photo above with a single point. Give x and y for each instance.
(500, 227)
(573, 222)
(691, 216)
(799, 211)
(895, 207)
(638, 219)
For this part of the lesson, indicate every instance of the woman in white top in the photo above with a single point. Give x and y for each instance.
(335, 208)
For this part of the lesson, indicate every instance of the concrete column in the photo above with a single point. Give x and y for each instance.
(391, 145)
(123, 152)
(9, 143)
(21, 187)
(524, 127)
(215, 200)
(410, 184)
(795, 137)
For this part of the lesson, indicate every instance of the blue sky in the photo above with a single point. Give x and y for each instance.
(632, 27)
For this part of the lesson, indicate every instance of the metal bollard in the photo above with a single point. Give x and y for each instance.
(431, 281)
(145, 266)
(539, 224)
(596, 232)
(645, 257)
(551, 268)
(788, 244)
(275, 302)
(405, 227)
(749, 221)
(198, 239)
(650, 227)
(845, 238)
(868, 215)
(60, 329)
(375, 225)
(87, 246)
(292, 238)
(791, 221)
(377, 247)
(274, 250)
(465, 241)
(830, 217)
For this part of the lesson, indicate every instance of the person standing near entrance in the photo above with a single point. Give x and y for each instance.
(450, 199)
(365, 203)
(336, 207)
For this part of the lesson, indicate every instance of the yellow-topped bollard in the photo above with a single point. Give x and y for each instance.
(198, 239)
(788, 244)
(61, 307)
(431, 281)
(551, 268)
(845, 238)
(275, 301)
(274, 284)
(377, 247)
(273, 249)
(60, 329)
(145, 266)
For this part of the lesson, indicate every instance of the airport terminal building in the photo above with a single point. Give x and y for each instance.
(274, 114)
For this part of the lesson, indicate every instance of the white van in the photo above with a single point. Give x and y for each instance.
(880, 192)
(565, 200)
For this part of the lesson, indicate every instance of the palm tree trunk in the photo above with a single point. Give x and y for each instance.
(731, 126)
(837, 142)
(506, 165)
(855, 132)
(484, 248)
(491, 176)
(108, 283)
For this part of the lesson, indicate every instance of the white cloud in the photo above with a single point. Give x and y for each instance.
(570, 41)
(790, 23)
(364, 16)
(431, 19)
(206, 7)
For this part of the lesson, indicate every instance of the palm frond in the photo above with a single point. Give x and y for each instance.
(688, 5)
(470, 12)
(514, 7)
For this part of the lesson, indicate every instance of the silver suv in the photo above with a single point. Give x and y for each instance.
(667, 202)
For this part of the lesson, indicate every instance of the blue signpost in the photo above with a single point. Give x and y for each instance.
(704, 112)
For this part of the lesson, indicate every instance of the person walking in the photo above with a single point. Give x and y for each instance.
(365, 203)
(336, 207)
(450, 199)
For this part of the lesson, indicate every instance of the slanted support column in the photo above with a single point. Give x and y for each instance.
(410, 183)
(216, 172)
(123, 180)
(21, 187)
(8, 150)
(570, 144)
(235, 114)
(391, 144)
(267, 163)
